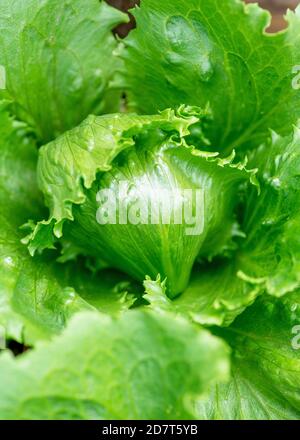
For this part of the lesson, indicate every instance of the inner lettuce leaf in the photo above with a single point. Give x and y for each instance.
(194, 52)
(140, 366)
(38, 295)
(147, 167)
(265, 380)
(57, 56)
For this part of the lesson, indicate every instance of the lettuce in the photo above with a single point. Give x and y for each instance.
(265, 370)
(147, 156)
(57, 46)
(150, 212)
(218, 52)
(147, 352)
(38, 295)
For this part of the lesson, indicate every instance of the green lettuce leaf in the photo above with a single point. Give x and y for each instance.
(106, 290)
(38, 295)
(215, 295)
(194, 52)
(270, 254)
(146, 159)
(69, 165)
(58, 60)
(265, 380)
(106, 368)
(31, 295)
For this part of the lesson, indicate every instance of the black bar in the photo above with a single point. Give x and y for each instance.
(144, 429)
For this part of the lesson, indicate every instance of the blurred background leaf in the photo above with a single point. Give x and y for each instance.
(277, 7)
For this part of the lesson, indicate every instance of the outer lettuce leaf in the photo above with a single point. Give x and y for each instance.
(266, 365)
(36, 294)
(30, 289)
(58, 60)
(106, 290)
(105, 368)
(150, 155)
(216, 295)
(191, 51)
(270, 255)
